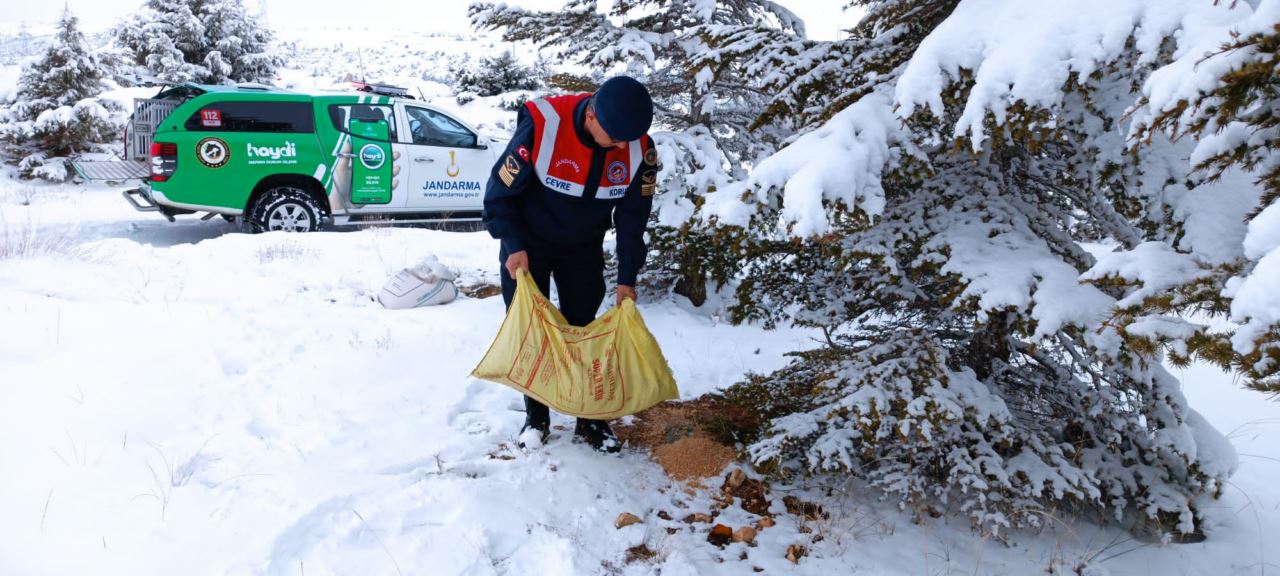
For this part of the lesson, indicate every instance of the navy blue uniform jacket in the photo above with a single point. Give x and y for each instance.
(528, 214)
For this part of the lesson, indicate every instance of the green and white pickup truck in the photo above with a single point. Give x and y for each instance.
(284, 160)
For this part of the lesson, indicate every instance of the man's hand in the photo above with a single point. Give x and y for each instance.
(517, 261)
(626, 293)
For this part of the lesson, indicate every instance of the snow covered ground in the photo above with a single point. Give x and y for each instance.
(182, 397)
(186, 399)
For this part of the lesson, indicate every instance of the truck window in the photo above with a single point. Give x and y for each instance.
(249, 116)
(435, 129)
(180, 93)
(342, 114)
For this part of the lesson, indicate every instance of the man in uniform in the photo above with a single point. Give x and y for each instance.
(576, 165)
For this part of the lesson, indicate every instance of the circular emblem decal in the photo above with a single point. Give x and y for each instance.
(617, 172)
(213, 152)
(372, 156)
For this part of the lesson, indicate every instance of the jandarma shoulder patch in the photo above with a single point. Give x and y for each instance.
(509, 170)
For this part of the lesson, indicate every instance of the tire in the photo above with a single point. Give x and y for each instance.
(286, 208)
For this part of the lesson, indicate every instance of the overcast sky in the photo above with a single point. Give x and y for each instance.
(823, 18)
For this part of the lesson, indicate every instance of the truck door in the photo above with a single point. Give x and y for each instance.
(449, 163)
(368, 173)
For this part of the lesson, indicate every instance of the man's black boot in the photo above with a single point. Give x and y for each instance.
(533, 435)
(537, 424)
(598, 434)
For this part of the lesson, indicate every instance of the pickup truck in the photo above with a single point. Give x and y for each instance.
(295, 161)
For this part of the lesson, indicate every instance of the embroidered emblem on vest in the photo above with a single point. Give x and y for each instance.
(617, 172)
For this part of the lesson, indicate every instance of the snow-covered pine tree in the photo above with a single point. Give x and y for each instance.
(702, 94)
(208, 41)
(238, 48)
(493, 75)
(55, 114)
(938, 228)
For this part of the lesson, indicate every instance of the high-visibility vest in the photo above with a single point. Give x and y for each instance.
(562, 162)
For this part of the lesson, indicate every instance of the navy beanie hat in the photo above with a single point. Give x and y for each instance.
(624, 108)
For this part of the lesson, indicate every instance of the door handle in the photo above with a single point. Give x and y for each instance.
(423, 159)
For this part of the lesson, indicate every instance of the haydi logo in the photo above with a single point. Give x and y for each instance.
(289, 150)
(372, 156)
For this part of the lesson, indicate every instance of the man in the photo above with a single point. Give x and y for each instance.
(576, 165)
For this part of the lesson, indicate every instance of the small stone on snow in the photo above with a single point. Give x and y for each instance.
(720, 535)
(626, 519)
(735, 479)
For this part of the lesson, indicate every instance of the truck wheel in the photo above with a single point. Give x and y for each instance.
(285, 208)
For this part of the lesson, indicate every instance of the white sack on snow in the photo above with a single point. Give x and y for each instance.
(427, 284)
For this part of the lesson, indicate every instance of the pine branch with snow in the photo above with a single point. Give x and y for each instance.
(812, 81)
(1225, 98)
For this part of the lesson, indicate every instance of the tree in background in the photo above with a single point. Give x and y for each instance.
(941, 225)
(701, 94)
(494, 75)
(207, 41)
(56, 113)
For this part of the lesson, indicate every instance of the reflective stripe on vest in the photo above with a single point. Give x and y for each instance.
(545, 156)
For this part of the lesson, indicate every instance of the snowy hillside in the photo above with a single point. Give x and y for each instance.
(379, 55)
(421, 63)
(185, 398)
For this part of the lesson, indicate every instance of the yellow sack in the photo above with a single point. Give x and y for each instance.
(605, 370)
